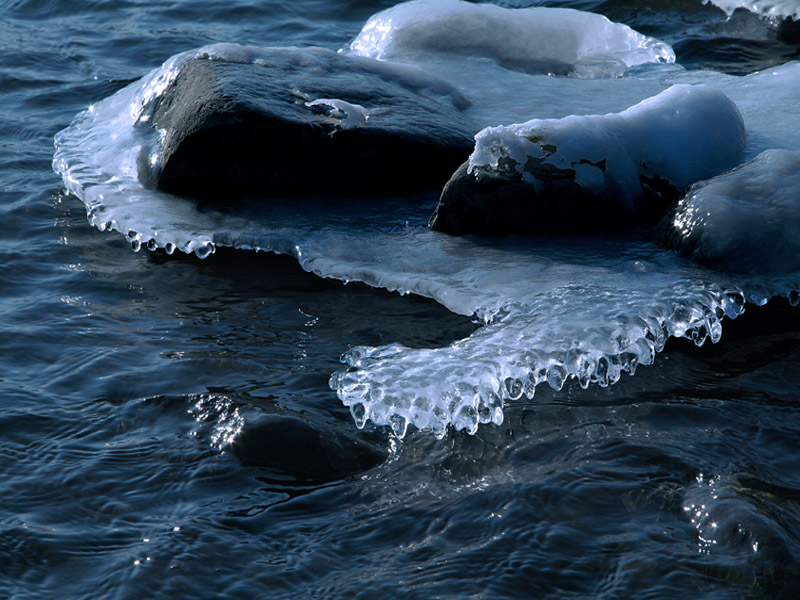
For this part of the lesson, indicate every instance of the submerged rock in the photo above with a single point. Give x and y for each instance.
(595, 171)
(293, 121)
(298, 448)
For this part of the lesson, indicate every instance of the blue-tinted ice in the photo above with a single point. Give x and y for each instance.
(551, 309)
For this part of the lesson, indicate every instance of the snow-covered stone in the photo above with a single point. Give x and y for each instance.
(558, 41)
(595, 171)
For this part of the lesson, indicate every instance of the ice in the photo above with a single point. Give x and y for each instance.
(767, 101)
(554, 311)
(745, 220)
(684, 134)
(349, 115)
(534, 40)
(588, 323)
(771, 9)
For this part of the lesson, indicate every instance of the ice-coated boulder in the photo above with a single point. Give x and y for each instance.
(559, 41)
(595, 171)
(784, 15)
(769, 9)
(743, 221)
(292, 121)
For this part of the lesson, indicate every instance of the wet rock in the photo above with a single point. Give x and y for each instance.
(593, 171)
(305, 122)
(493, 202)
(304, 450)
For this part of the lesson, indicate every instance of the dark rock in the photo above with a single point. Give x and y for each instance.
(303, 450)
(500, 202)
(789, 31)
(233, 128)
(593, 172)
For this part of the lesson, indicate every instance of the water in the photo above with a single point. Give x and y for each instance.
(127, 379)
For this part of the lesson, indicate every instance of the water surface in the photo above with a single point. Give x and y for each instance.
(126, 379)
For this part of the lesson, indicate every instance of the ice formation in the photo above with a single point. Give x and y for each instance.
(349, 115)
(770, 9)
(746, 220)
(586, 308)
(535, 40)
(684, 134)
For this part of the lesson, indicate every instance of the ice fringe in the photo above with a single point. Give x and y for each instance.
(769, 9)
(433, 388)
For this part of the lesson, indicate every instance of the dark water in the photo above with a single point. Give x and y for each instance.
(130, 382)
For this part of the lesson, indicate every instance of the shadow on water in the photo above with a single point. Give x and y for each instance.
(377, 316)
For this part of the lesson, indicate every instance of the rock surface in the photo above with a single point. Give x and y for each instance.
(594, 171)
(789, 31)
(500, 203)
(305, 122)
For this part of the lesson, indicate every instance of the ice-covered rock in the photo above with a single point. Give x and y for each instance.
(746, 220)
(771, 9)
(596, 171)
(583, 308)
(299, 122)
(556, 41)
(784, 15)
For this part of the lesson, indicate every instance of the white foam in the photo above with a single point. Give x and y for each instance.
(540, 40)
(770, 9)
(684, 134)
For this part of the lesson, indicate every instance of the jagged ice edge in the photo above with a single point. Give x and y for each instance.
(479, 400)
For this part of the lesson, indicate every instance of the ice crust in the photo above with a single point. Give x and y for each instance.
(349, 115)
(770, 9)
(551, 310)
(585, 331)
(746, 220)
(684, 134)
(559, 41)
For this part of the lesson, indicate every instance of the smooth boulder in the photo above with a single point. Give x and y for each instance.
(307, 121)
(491, 202)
